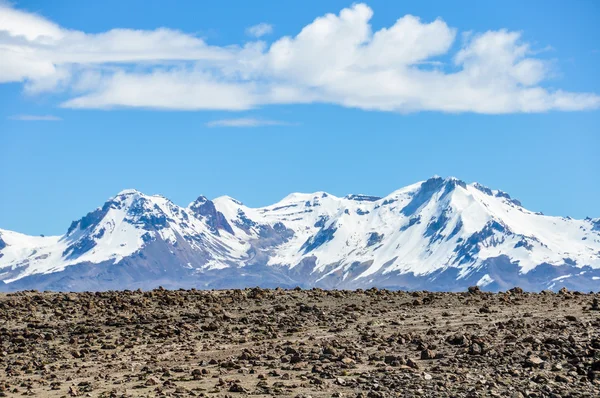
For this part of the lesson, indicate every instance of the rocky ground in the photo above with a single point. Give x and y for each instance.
(299, 343)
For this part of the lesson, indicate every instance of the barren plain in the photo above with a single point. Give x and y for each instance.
(299, 343)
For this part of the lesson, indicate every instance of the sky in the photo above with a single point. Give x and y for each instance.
(190, 98)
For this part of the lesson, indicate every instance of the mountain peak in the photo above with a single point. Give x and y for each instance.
(303, 196)
(198, 201)
(205, 209)
(435, 187)
(226, 199)
(129, 191)
(437, 182)
(439, 233)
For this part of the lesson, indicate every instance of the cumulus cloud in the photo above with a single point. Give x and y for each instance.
(246, 122)
(34, 118)
(337, 59)
(260, 30)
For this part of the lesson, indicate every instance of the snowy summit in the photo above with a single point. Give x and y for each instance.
(439, 234)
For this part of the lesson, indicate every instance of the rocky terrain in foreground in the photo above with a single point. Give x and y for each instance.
(299, 343)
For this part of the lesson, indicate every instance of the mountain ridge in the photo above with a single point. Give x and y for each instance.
(438, 234)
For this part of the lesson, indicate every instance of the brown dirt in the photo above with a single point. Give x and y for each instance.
(299, 343)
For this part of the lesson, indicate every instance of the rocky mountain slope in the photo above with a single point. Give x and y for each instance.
(440, 234)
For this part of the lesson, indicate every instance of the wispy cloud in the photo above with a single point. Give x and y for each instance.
(247, 122)
(335, 59)
(35, 118)
(260, 30)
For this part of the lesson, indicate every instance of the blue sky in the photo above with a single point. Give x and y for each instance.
(205, 107)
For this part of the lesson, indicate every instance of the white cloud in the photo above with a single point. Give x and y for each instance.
(43, 54)
(246, 122)
(336, 59)
(33, 118)
(260, 30)
(173, 89)
(28, 25)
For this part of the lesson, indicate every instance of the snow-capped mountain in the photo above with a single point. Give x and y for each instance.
(440, 234)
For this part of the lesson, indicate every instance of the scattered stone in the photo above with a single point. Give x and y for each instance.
(235, 387)
(197, 374)
(534, 361)
(474, 289)
(290, 342)
(412, 364)
(516, 290)
(485, 310)
(152, 381)
(348, 361)
(563, 291)
(428, 354)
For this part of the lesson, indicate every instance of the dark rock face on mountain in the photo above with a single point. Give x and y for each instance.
(323, 236)
(91, 218)
(204, 208)
(423, 195)
(439, 234)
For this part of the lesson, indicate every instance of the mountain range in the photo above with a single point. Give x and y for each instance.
(439, 234)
